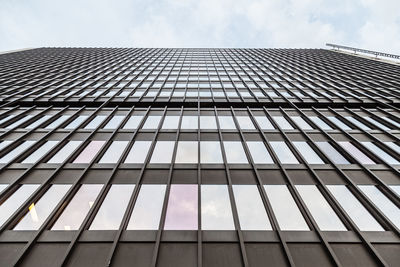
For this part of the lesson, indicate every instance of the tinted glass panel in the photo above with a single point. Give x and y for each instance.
(264, 123)
(282, 123)
(90, 151)
(320, 123)
(162, 152)
(259, 153)
(210, 152)
(245, 123)
(95, 122)
(301, 123)
(226, 122)
(308, 153)
(114, 122)
(152, 122)
(65, 152)
(189, 122)
(138, 152)
(16, 151)
(187, 152)
(133, 122)
(114, 152)
(380, 153)
(356, 153)
(339, 123)
(40, 152)
(208, 122)
(76, 122)
(234, 152)
(170, 122)
(283, 152)
(332, 153)
(57, 122)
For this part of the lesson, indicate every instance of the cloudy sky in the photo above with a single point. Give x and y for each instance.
(370, 24)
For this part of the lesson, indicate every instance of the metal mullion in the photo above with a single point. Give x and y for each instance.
(179, 72)
(231, 196)
(20, 115)
(219, 77)
(135, 193)
(199, 180)
(166, 197)
(390, 115)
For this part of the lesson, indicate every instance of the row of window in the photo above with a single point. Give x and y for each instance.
(210, 152)
(182, 209)
(192, 122)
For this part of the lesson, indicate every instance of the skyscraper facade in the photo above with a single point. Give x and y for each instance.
(198, 157)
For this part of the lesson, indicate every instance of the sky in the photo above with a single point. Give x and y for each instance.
(368, 24)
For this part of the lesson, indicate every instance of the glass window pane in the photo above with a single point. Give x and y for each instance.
(78, 121)
(114, 122)
(138, 152)
(357, 212)
(171, 122)
(234, 152)
(151, 122)
(189, 122)
(208, 122)
(182, 208)
(147, 211)
(95, 122)
(339, 123)
(285, 208)
(65, 152)
(282, 122)
(162, 152)
(380, 153)
(395, 188)
(358, 123)
(356, 153)
(16, 151)
(319, 208)
(250, 208)
(114, 152)
(38, 212)
(5, 143)
(133, 122)
(40, 152)
(77, 209)
(393, 146)
(377, 124)
(12, 203)
(320, 123)
(259, 153)
(283, 152)
(383, 203)
(109, 217)
(2, 187)
(187, 152)
(38, 122)
(264, 123)
(245, 123)
(301, 123)
(308, 153)
(226, 122)
(90, 151)
(393, 122)
(19, 121)
(332, 153)
(216, 212)
(210, 152)
(57, 122)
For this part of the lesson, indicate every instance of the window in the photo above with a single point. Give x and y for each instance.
(380, 153)
(77, 209)
(95, 122)
(58, 122)
(187, 152)
(65, 152)
(234, 152)
(182, 208)
(383, 203)
(208, 122)
(395, 188)
(216, 212)
(2, 187)
(301, 123)
(114, 122)
(356, 153)
(210, 152)
(170, 122)
(152, 122)
(377, 124)
(162, 152)
(133, 122)
(109, 217)
(358, 123)
(5, 143)
(320, 123)
(319, 208)
(90, 151)
(332, 153)
(114, 152)
(393, 146)
(339, 123)
(19, 121)
(38, 122)
(245, 123)
(226, 123)
(147, 211)
(189, 122)
(264, 123)
(76, 122)
(283, 152)
(393, 122)
(138, 152)
(12, 203)
(16, 151)
(308, 153)
(259, 153)
(250, 208)
(40, 152)
(38, 212)
(357, 212)
(282, 123)
(285, 209)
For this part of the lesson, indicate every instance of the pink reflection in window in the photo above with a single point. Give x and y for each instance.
(182, 208)
(356, 153)
(89, 152)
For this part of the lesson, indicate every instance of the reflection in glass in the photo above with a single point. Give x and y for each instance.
(357, 212)
(57, 122)
(65, 152)
(301, 123)
(210, 152)
(226, 122)
(377, 124)
(19, 121)
(147, 211)
(339, 123)
(2, 187)
(114, 152)
(208, 122)
(189, 122)
(332, 153)
(216, 212)
(138, 152)
(358, 123)
(95, 122)
(151, 122)
(133, 122)
(245, 123)
(259, 152)
(13, 202)
(320, 123)
(76, 122)
(234, 152)
(38, 122)
(264, 123)
(356, 153)
(380, 153)
(283, 152)
(182, 208)
(114, 122)
(170, 122)
(109, 217)
(77, 209)
(282, 123)
(250, 208)
(40, 152)
(187, 152)
(162, 152)
(393, 146)
(395, 188)
(16, 151)
(90, 151)
(39, 211)
(308, 153)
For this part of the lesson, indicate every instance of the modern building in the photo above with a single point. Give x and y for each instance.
(198, 157)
